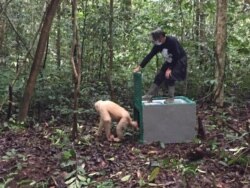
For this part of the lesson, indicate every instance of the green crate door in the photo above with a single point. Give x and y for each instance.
(138, 116)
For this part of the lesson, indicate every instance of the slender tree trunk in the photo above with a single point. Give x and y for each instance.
(84, 7)
(2, 33)
(185, 85)
(200, 31)
(202, 37)
(101, 60)
(197, 25)
(220, 52)
(182, 20)
(110, 44)
(37, 63)
(2, 30)
(58, 38)
(10, 102)
(76, 66)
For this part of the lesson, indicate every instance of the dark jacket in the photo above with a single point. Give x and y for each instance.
(174, 55)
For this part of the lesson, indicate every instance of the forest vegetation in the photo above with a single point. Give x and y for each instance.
(58, 57)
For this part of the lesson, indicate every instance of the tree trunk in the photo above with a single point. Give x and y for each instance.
(76, 66)
(101, 60)
(197, 24)
(220, 52)
(202, 37)
(200, 32)
(2, 33)
(10, 102)
(58, 38)
(2, 30)
(37, 63)
(83, 31)
(110, 45)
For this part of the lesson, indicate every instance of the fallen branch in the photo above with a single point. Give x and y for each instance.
(244, 136)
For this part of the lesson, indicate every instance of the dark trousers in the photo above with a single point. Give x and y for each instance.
(178, 73)
(160, 77)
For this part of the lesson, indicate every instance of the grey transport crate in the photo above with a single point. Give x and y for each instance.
(169, 122)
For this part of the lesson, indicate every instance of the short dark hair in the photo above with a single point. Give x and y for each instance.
(157, 33)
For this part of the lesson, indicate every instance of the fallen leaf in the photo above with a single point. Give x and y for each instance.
(117, 174)
(154, 174)
(111, 159)
(139, 174)
(125, 178)
(153, 152)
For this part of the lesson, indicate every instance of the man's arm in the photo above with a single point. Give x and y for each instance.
(148, 57)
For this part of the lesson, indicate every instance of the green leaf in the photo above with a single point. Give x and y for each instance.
(125, 178)
(154, 174)
(81, 170)
(67, 164)
(82, 178)
(66, 155)
(106, 184)
(33, 183)
(70, 181)
(77, 182)
(142, 182)
(24, 182)
(73, 185)
(73, 152)
(69, 175)
(93, 174)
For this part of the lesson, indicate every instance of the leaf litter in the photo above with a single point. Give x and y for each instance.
(31, 157)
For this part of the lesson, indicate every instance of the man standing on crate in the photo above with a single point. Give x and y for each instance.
(174, 67)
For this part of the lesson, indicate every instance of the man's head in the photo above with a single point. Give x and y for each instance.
(158, 36)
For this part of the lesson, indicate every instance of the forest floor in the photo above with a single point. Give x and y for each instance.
(43, 156)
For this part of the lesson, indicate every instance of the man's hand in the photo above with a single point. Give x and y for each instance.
(137, 69)
(168, 73)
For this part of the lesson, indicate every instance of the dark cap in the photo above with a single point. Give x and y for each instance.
(157, 33)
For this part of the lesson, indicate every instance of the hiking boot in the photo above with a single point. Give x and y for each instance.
(169, 100)
(171, 91)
